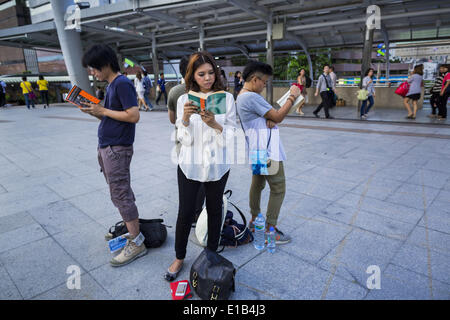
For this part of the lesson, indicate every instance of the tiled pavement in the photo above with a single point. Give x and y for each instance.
(354, 199)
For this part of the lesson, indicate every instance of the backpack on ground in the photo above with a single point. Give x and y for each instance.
(153, 230)
(232, 234)
(212, 276)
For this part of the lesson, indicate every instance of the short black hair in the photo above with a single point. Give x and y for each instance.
(24, 78)
(254, 67)
(161, 73)
(183, 65)
(145, 73)
(100, 56)
(41, 77)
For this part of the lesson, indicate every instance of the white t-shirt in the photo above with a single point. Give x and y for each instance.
(203, 154)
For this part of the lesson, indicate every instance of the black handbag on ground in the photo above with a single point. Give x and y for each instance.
(153, 230)
(212, 276)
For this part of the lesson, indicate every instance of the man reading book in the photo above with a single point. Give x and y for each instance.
(116, 134)
(259, 121)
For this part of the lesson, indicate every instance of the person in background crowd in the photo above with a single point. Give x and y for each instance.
(369, 86)
(415, 88)
(147, 86)
(175, 93)
(140, 90)
(444, 95)
(2, 93)
(161, 89)
(99, 93)
(223, 77)
(333, 77)
(204, 137)
(238, 83)
(326, 89)
(301, 80)
(28, 92)
(43, 90)
(435, 92)
(116, 134)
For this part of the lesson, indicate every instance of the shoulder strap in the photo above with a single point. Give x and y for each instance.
(326, 81)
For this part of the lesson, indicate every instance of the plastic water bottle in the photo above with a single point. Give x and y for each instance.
(260, 230)
(271, 240)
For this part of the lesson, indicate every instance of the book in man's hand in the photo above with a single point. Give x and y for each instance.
(284, 98)
(79, 97)
(215, 102)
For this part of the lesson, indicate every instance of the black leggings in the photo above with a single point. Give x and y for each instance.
(44, 96)
(188, 191)
(442, 105)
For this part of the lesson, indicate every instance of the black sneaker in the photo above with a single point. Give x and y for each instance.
(316, 115)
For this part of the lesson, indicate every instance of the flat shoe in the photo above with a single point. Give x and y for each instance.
(171, 276)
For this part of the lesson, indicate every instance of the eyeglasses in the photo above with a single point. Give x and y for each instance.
(264, 81)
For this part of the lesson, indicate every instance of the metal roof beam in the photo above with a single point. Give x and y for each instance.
(167, 18)
(252, 9)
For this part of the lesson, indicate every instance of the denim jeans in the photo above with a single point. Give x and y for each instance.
(28, 100)
(363, 106)
(147, 100)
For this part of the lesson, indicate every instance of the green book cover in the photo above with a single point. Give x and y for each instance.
(214, 102)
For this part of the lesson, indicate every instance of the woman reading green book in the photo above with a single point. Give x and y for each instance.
(203, 158)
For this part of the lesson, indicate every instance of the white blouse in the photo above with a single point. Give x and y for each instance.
(203, 155)
(139, 85)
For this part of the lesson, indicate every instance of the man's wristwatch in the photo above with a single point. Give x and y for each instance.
(185, 123)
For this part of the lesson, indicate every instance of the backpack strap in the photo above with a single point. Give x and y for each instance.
(238, 236)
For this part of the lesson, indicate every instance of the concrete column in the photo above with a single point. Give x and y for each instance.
(366, 59)
(71, 46)
(269, 57)
(155, 59)
(120, 58)
(201, 39)
(367, 52)
(386, 43)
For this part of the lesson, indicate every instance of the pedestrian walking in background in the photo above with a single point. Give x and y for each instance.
(238, 83)
(43, 90)
(161, 88)
(147, 86)
(444, 95)
(203, 136)
(301, 81)
(370, 87)
(223, 77)
(28, 92)
(326, 90)
(436, 91)
(140, 90)
(415, 88)
(2, 93)
(116, 134)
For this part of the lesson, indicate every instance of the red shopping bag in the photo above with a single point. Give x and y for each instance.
(402, 90)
